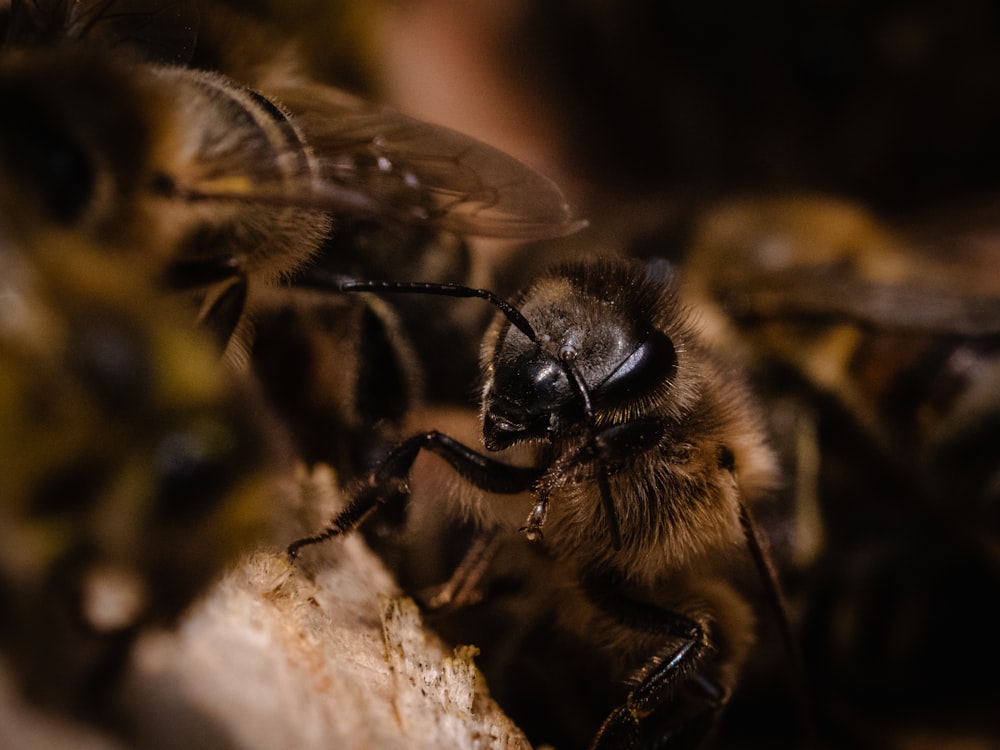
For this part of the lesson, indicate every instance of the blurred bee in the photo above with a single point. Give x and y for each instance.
(133, 465)
(261, 191)
(902, 340)
(878, 356)
(630, 458)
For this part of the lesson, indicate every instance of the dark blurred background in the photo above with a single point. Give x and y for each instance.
(895, 104)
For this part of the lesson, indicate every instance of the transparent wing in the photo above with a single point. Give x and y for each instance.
(424, 171)
(935, 305)
(818, 260)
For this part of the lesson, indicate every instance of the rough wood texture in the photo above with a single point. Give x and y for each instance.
(272, 659)
(331, 655)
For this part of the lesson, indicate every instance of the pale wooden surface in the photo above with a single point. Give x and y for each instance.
(329, 655)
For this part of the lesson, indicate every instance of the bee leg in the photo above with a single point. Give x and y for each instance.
(607, 448)
(200, 273)
(672, 698)
(658, 683)
(461, 589)
(222, 314)
(535, 522)
(387, 484)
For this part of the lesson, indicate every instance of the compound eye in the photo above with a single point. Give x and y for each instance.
(651, 363)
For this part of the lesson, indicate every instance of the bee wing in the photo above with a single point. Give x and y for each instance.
(426, 171)
(940, 304)
(162, 31)
(818, 260)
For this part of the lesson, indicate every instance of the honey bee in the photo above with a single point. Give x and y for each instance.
(135, 466)
(856, 308)
(630, 457)
(261, 192)
(876, 351)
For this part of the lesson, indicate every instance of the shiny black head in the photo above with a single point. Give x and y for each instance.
(599, 351)
(587, 345)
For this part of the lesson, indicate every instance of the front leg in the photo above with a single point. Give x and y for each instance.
(674, 700)
(605, 451)
(388, 482)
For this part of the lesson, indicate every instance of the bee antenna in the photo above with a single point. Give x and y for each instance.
(445, 290)
(333, 282)
(603, 483)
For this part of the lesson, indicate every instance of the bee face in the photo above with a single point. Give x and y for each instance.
(601, 320)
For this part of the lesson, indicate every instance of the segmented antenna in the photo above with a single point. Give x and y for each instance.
(445, 290)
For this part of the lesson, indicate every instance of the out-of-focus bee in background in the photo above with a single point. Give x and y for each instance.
(900, 337)
(135, 466)
(264, 189)
(877, 348)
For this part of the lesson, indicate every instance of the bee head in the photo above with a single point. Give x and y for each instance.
(586, 356)
(528, 394)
